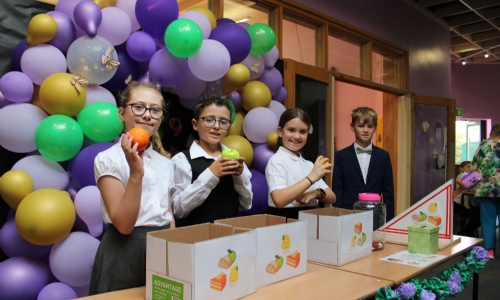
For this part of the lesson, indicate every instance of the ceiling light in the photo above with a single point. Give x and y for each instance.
(464, 62)
(487, 55)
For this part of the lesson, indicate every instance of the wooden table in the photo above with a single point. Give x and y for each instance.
(319, 282)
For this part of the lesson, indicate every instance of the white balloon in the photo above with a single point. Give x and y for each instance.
(18, 123)
(44, 173)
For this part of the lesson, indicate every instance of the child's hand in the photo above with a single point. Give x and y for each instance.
(224, 166)
(134, 157)
(322, 166)
(306, 197)
(239, 169)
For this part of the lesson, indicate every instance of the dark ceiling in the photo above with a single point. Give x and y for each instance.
(474, 28)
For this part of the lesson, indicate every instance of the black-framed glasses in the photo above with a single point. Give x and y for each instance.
(209, 122)
(140, 109)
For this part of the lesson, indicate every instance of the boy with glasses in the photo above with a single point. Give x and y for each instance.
(208, 187)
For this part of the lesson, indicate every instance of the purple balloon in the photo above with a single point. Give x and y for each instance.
(57, 291)
(243, 24)
(23, 278)
(3, 102)
(167, 69)
(271, 57)
(66, 32)
(273, 79)
(191, 87)
(255, 64)
(127, 70)
(281, 95)
(13, 244)
(67, 7)
(260, 192)
(222, 21)
(81, 167)
(88, 16)
(235, 38)
(141, 46)
(277, 108)
(154, 16)
(261, 155)
(16, 87)
(236, 98)
(17, 53)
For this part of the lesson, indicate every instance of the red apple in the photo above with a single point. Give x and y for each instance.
(230, 153)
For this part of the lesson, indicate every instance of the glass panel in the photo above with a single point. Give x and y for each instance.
(245, 11)
(344, 56)
(385, 68)
(467, 139)
(299, 42)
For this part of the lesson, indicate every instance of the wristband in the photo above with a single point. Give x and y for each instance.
(309, 180)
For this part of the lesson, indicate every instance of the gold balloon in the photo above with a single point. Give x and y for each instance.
(105, 3)
(236, 77)
(61, 94)
(41, 29)
(14, 186)
(242, 145)
(237, 126)
(255, 94)
(272, 140)
(208, 13)
(45, 216)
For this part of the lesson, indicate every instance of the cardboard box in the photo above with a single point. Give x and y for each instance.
(206, 261)
(281, 246)
(423, 239)
(338, 236)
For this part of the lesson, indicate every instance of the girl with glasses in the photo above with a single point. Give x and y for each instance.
(207, 186)
(135, 191)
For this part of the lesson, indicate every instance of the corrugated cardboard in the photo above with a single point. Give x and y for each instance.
(190, 256)
(281, 246)
(338, 236)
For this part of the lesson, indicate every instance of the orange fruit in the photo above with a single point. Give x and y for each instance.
(141, 137)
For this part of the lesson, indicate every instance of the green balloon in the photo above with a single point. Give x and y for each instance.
(100, 121)
(58, 138)
(183, 38)
(233, 109)
(262, 37)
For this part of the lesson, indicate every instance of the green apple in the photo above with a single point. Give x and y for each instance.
(230, 153)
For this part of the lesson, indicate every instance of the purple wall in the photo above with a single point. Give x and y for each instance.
(405, 25)
(476, 88)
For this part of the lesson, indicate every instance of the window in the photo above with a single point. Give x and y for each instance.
(299, 40)
(386, 67)
(469, 133)
(344, 54)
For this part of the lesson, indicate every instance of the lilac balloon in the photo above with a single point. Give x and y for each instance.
(189, 103)
(260, 192)
(277, 108)
(258, 123)
(71, 259)
(97, 93)
(126, 71)
(34, 62)
(81, 167)
(200, 19)
(67, 7)
(16, 87)
(144, 77)
(23, 278)
(17, 53)
(273, 79)
(88, 208)
(128, 6)
(154, 16)
(222, 21)
(140, 46)
(271, 57)
(88, 16)
(18, 124)
(255, 64)
(211, 62)
(281, 95)
(13, 244)
(115, 25)
(235, 38)
(167, 69)
(44, 173)
(66, 32)
(236, 98)
(3, 102)
(261, 155)
(191, 87)
(57, 291)
(243, 24)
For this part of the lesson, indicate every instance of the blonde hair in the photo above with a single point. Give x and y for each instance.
(365, 115)
(495, 131)
(125, 97)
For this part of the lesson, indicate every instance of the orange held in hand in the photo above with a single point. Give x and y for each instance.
(140, 136)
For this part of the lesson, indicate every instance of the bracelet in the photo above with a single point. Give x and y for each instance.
(309, 180)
